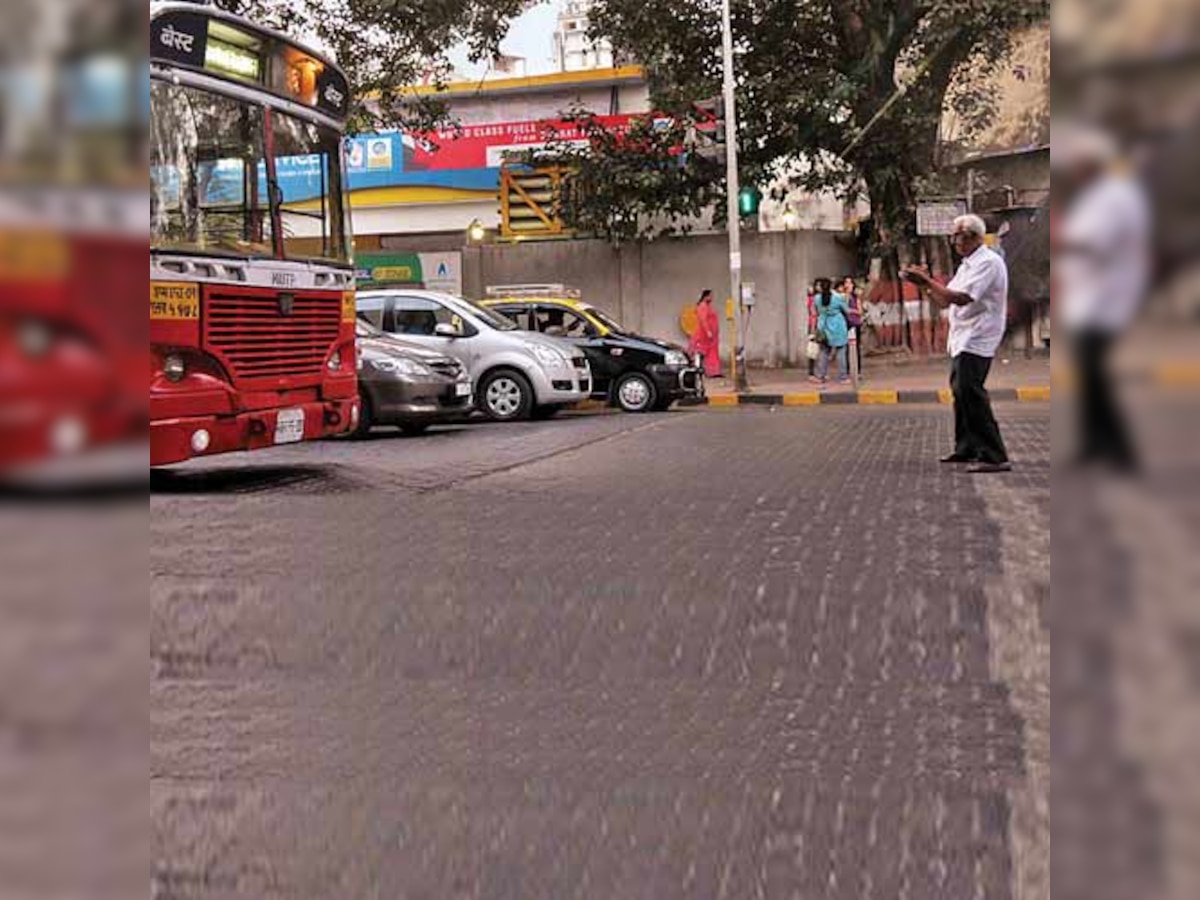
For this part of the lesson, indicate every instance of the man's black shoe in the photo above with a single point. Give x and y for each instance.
(957, 459)
(985, 468)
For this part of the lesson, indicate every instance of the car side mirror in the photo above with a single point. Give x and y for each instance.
(446, 331)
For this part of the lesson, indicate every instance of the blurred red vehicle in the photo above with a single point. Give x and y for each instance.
(72, 233)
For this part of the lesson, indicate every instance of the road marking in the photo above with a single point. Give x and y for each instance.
(724, 400)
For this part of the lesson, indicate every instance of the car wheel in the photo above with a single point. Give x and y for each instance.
(541, 413)
(635, 393)
(506, 396)
(366, 418)
(414, 429)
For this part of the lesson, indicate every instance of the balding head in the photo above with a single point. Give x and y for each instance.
(1079, 154)
(969, 232)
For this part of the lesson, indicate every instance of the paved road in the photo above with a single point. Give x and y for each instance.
(730, 654)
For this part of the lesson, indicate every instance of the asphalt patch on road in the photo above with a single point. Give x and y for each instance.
(249, 480)
(74, 493)
(384, 434)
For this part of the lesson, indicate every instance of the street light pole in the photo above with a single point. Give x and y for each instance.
(733, 219)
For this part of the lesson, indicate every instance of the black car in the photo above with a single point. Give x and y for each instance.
(636, 373)
(407, 386)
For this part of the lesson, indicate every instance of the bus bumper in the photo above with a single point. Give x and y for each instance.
(31, 435)
(178, 440)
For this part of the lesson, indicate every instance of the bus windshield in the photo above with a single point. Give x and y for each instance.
(215, 191)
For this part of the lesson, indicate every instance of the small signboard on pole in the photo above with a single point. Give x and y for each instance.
(937, 218)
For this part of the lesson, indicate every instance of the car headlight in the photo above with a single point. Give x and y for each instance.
(677, 358)
(548, 356)
(400, 366)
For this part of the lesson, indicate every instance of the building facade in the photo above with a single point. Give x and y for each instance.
(574, 50)
(445, 182)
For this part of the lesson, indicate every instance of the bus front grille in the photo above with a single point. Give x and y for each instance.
(272, 335)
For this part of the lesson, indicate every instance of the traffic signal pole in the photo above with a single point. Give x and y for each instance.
(733, 217)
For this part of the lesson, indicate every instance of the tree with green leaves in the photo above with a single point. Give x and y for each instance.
(629, 183)
(838, 95)
(386, 46)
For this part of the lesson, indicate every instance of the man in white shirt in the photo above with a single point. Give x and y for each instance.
(978, 301)
(1102, 267)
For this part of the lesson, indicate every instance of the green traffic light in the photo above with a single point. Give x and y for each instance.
(749, 199)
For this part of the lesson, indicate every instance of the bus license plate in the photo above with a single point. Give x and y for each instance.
(463, 389)
(289, 426)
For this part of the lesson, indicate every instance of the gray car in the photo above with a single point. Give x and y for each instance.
(516, 374)
(407, 386)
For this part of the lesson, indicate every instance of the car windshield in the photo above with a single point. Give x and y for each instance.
(366, 330)
(490, 317)
(606, 320)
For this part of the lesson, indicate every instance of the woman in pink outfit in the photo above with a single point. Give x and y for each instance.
(707, 339)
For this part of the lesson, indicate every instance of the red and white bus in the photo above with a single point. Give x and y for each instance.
(251, 282)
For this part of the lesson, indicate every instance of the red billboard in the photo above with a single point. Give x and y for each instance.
(484, 146)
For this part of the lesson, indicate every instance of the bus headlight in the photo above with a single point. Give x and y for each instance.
(174, 368)
(335, 362)
(34, 339)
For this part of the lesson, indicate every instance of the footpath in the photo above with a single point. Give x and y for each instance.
(1164, 357)
(886, 381)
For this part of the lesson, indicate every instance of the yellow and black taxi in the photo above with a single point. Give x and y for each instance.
(635, 373)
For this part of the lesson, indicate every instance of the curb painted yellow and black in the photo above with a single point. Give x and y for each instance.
(1177, 376)
(875, 397)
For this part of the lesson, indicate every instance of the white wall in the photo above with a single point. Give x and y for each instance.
(647, 286)
(431, 217)
(486, 109)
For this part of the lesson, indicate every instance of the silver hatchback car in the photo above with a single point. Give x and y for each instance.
(517, 374)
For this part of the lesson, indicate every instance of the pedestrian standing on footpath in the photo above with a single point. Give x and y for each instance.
(707, 339)
(978, 300)
(854, 317)
(833, 331)
(1102, 261)
(810, 308)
